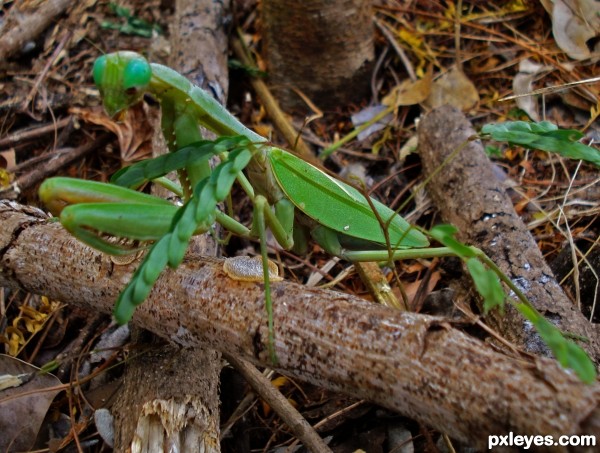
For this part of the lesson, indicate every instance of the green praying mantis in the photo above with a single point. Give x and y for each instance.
(290, 196)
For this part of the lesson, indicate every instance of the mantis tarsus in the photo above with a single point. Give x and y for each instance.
(289, 195)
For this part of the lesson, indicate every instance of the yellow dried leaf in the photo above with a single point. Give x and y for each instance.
(515, 6)
(5, 178)
(387, 135)
(414, 41)
(279, 382)
(409, 92)
(15, 340)
(263, 129)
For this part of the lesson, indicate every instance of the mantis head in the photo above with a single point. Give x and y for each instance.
(122, 78)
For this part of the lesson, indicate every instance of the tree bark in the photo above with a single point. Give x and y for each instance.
(324, 49)
(415, 364)
(472, 198)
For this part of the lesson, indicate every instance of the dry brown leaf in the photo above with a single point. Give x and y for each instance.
(453, 88)
(411, 289)
(523, 84)
(409, 92)
(8, 159)
(134, 130)
(24, 406)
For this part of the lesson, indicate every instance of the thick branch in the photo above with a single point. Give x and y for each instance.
(415, 364)
(473, 199)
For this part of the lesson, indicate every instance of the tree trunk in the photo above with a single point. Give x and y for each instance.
(324, 49)
(170, 399)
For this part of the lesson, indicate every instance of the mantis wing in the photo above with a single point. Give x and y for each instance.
(339, 206)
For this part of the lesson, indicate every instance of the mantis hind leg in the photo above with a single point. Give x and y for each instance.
(281, 223)
(330, 242)
(259, 221)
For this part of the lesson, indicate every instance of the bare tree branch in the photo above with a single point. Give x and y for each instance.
(472, 198)
(415, 364)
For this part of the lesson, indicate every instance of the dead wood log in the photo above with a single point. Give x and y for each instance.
(415, 364)
(473, 199)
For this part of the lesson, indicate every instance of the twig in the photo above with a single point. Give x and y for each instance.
(42, 75)
(33, 133)
(292, 418)
(399, 50)
(66, 157)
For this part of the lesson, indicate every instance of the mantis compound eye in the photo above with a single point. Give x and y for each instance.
(137, 74)
(99, 69)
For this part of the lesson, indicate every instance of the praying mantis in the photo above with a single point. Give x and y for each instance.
(290, 196)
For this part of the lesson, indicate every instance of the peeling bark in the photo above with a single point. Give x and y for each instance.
(472, 198)
(415, 364)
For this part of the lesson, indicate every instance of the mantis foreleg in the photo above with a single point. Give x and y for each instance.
(193, 154)
(198, 214)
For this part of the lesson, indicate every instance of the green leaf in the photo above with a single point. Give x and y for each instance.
(544, 136)
(487, 284)
(567, 353)
(493, 151)
(445, 235)
(130, 25)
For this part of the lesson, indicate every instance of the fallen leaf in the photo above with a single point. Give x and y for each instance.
(411, 289)
(8, 160)
(408, 92)
(574, 24)
(523, 84)
(23, 407)
(367, 115)
(453, 88)
(135, 130)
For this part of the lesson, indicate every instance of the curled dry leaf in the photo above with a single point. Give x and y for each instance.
(135, 129)
(409, 92)
(574, 24)
(523, 84)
